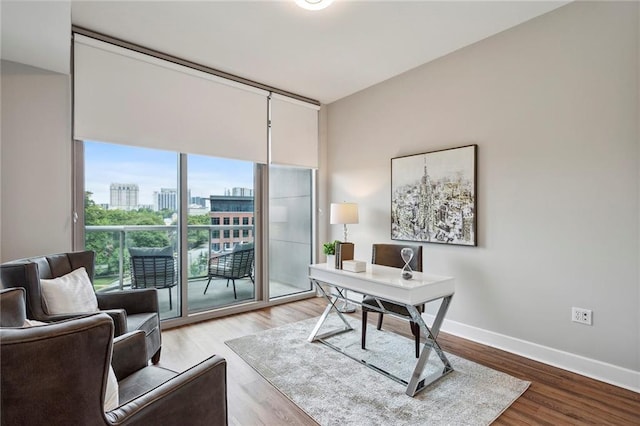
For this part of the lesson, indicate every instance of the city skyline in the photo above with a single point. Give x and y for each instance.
(153, 169)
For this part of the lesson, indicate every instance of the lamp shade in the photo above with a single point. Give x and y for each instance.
(343, 213)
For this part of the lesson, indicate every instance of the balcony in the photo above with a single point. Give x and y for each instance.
(113, 273)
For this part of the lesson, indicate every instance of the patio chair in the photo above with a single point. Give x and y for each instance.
(389, 255)
(153, 267)
(232, 266)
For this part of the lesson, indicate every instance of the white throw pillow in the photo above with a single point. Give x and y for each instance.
(69, 294)
(111, 398)
(33, 323)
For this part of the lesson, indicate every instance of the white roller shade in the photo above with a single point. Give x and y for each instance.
(294, 132)
(126, 97)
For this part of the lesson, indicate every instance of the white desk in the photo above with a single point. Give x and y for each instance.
(385, 283)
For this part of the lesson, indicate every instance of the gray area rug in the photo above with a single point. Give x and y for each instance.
(336, 390)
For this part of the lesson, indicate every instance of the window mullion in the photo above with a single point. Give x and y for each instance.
(183, 223)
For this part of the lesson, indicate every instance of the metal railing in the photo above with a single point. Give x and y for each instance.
(172, 234)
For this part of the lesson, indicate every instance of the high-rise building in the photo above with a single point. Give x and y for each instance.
(166, 199)
(239, 192)
(236, 212)
(200, 201)
(124, 196)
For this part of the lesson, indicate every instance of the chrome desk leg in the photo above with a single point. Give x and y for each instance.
(415, 384)
(330, 305)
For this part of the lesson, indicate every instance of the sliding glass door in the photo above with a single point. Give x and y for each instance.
(133, 209)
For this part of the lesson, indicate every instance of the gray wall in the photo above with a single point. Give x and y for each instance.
(35, 211)
(553, 107)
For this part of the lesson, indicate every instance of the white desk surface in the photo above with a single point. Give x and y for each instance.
(386, 282)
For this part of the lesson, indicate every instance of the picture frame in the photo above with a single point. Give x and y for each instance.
(434, 196)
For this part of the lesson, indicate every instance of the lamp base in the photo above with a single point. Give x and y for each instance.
(346, 307)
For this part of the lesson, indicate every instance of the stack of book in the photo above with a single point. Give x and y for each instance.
(344, 251)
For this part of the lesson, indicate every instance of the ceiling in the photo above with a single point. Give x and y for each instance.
(323, 55)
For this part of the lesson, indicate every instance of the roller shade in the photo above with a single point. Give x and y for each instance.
(294, 132)
(122, 96)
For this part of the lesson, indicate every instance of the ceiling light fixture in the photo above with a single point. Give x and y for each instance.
(313, 4)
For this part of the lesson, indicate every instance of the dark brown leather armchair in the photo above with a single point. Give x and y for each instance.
(57, 374)
(389, 255)
(130, 310)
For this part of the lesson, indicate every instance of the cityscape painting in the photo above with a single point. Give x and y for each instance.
(433, 197)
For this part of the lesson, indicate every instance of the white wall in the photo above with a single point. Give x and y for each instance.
(35, 173)
(553, 107)
(36, 33)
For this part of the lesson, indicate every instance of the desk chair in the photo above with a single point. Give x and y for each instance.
(389, 255)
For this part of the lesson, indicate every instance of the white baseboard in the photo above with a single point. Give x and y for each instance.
(598, 370)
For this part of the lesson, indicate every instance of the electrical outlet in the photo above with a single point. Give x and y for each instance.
(581, 315)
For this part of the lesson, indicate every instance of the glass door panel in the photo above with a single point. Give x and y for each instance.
(131, 209)
(290, 230)
(220, 232)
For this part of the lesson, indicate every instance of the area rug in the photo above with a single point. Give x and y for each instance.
(336, 390)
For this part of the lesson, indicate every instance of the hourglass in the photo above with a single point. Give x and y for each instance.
(407, 254)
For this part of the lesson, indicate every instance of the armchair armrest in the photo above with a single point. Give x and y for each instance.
(196, 397)
(13, 311)
(129, 354)
(119, 317)
(132, 301)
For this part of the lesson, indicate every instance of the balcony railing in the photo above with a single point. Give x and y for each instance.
(120, 233)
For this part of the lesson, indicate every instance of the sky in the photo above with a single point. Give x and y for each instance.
(446, 163)
(153, 169)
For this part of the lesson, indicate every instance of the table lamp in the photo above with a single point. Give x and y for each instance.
(344, 214)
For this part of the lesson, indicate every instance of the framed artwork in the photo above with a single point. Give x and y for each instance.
(433, 197)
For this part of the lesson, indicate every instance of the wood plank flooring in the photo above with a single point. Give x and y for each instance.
(555, 397)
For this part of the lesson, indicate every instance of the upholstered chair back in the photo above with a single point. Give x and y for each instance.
(28, 272)
(56, 373)
(389, 255)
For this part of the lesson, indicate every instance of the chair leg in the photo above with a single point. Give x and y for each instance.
(363, 340)
(207, 287)
(156, 357)
(380, 321)
(234, 288)
(170, 302)
(415, 330)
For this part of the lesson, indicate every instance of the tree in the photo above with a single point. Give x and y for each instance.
(198, 237)
(106, 244)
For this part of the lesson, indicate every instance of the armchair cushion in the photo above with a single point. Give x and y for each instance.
(147, 322)
(71, 293)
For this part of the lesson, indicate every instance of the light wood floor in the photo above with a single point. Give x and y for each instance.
(555, 397)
